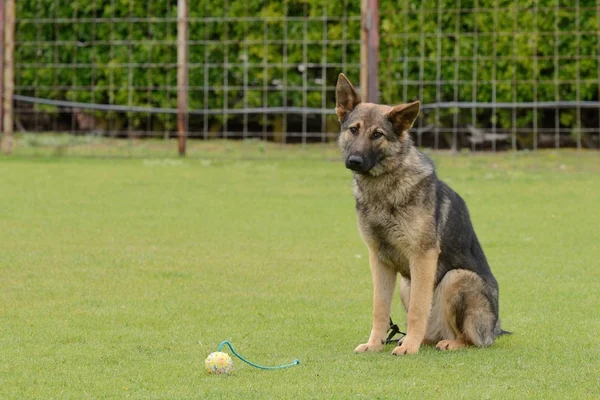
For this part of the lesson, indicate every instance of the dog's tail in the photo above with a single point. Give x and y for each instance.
(498, 331)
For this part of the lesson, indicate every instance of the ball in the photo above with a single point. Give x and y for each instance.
(219, 363)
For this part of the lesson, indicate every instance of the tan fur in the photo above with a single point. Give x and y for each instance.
(442, 319)
(444, 210)
(451, 344)
(422, 271)
(384, 282)
(396, 212)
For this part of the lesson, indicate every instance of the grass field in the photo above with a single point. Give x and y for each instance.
(119, 276)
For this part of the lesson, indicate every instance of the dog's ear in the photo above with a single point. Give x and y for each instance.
(346, 98)
(402, 116)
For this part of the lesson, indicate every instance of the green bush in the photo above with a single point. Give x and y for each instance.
(514, 46)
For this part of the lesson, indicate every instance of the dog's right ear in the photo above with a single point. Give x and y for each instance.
(346, 98)
(404, 115)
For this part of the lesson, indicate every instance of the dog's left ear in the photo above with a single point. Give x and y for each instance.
(404, 115)
(346, 98)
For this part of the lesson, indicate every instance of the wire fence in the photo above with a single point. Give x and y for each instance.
(491, 74)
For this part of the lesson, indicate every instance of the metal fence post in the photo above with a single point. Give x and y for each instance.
(369, 50)
(182, 75)
(9, 73)
(1, 69)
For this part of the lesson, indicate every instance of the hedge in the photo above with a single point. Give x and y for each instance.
(513, 45)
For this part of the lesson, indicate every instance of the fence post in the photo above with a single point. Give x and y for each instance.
(182, 74)
(1, 69)
(9, 74)
(369, 50)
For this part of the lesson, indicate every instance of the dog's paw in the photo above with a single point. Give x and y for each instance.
(404, 349)
(374, 347)
(450, 345)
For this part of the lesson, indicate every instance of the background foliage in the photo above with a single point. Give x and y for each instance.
(516, 47)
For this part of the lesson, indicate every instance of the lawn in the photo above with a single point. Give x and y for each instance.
(119, 276)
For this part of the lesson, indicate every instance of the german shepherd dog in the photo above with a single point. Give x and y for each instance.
(416, 226)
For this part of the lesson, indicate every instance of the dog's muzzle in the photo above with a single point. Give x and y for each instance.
(355, 163)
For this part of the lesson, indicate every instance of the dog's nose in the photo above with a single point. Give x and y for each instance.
(354, 162)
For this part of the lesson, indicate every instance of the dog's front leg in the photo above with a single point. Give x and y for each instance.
(384, 281)
(422, 275)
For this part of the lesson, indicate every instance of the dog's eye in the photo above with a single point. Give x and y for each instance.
(353, 130)
(376, 135)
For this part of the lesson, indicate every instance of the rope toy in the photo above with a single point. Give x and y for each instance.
(221, 363)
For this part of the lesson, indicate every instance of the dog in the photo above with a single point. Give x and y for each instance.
(415, 226)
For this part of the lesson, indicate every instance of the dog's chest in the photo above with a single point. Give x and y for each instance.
(390, 223)
(386, 231)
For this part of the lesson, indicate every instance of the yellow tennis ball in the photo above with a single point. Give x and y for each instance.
(219, 363)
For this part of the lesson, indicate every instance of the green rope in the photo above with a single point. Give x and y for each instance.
(226, 342)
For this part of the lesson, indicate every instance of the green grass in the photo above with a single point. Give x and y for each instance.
(118, 277)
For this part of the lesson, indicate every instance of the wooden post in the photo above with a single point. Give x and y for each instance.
(1, 69)
(369, 51)
(182, 74)
(9, 73)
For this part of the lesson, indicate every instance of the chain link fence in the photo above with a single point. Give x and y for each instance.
(491, 74)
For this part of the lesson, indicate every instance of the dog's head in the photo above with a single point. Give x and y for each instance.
(373, 137)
